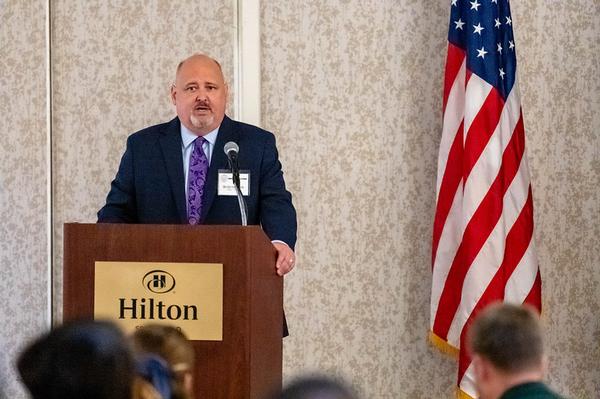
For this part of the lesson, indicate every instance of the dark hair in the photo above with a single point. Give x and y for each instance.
(316, 387)
(83, 359)
(509, 336)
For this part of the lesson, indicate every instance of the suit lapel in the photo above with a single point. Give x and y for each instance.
(170, 143)
(227, 132)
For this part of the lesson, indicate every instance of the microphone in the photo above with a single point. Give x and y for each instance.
(231, 149)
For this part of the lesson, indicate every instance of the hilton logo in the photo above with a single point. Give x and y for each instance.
(158, 281)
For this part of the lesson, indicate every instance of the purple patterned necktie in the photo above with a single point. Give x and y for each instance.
(196, 179)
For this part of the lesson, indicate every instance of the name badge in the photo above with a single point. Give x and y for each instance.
(226, 186)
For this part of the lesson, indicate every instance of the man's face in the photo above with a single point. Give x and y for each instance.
(200, 95)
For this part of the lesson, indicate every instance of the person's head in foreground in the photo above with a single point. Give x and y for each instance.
(316, 387)
(84, 359)
(508, 354)
(155, 344)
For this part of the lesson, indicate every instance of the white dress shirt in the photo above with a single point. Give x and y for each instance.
(187, 138)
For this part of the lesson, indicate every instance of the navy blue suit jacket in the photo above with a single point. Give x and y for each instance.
(149, 186)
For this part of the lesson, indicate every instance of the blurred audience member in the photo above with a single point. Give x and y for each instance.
(508, 355)
(165, 359)
(84, 359)
(154, 378)
(316, 387)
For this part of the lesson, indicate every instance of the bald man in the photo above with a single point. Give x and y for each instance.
(170, 173)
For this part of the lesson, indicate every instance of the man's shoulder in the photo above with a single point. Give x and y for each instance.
(248, 130)
(533, 390)
(151, 132)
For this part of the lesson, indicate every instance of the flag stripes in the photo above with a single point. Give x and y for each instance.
(482, 246)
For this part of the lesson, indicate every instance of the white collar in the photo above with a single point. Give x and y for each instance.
(188, 137)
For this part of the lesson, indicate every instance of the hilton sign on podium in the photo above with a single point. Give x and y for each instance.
(185, 295)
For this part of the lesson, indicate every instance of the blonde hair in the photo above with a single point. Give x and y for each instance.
(173, 346)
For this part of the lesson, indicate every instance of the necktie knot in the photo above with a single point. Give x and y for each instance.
(199, 141)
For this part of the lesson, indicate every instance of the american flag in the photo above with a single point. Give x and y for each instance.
(483, 248)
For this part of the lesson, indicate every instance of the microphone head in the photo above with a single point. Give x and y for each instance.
(231, 147)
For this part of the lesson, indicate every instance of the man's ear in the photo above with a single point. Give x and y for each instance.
(173, 94)
(544, 365)
(480, 367)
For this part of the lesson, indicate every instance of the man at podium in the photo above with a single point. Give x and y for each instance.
(177, 172)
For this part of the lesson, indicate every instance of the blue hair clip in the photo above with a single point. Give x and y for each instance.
(155, 370)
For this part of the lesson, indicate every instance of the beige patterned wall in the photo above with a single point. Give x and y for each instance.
(24, 294)
(558, 47)
(353, 90)
(112, 67)
(355, 98)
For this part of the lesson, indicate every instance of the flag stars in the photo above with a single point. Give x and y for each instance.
(511, 45)
(508, 21)
(502, 73)
(499, 48)
(495, 1)
(475, 5)
(459, 24)
(478, 28)
(497, 23)
(481, 52)
(454, 3)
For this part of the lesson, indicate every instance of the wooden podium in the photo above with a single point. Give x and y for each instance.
(247, 363)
